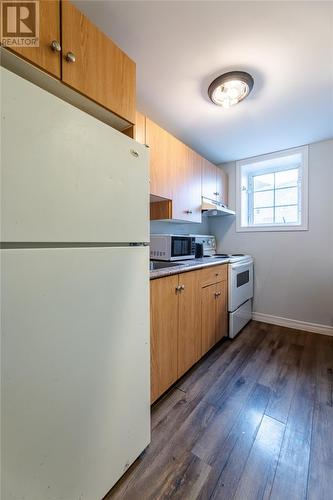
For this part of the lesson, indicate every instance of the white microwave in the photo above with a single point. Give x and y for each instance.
(172, 247)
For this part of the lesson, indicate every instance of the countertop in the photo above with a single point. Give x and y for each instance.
(188, 265)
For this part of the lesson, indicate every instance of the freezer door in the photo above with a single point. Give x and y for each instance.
(75, 370)
(67, 177)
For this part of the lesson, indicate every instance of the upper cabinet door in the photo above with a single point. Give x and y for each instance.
(222, 186)
(186, 204)
(162, 151)
(209, 180)
(95, 66)
(49, 31)
(140, 128)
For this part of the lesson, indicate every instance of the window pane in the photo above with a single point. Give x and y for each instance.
(263, 216)
(286, 178)
(265, 181)
(263, 199)
(287, 196)
(286, 215)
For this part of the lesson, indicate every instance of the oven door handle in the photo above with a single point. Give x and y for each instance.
(236, 267)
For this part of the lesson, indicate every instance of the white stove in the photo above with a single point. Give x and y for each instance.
(240, 282)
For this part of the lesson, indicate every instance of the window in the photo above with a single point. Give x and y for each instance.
(272, 191)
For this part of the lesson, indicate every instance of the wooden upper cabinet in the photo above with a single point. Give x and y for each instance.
(162, 146)
(189, 334)
(140, 128)
(221, 186)
(209, 180)
(49, 31)
(186, 201)
(101, 71)
(163, 334)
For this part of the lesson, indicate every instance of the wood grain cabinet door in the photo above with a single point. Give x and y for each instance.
(163, 334)
(221, 311)
(161, 151)
(186, 202)
(49, 31)
(208, 318)
(209, 188)
(101, 71)
(140, 128)
(221, 186)
(189, 326)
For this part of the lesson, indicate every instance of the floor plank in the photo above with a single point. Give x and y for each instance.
(259, 470)
(252, 419)
(320, 485)
(292, 470)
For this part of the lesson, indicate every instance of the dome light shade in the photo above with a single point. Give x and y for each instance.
(230, 88)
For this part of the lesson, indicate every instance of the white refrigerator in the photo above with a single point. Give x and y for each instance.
(75, 395)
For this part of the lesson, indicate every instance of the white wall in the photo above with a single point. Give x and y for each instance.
(293, 270)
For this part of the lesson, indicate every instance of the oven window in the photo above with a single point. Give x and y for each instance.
(180, 246)
(243, 278)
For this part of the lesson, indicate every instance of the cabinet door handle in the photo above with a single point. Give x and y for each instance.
(217, 294)
(55, 46)
(70, 57)
(182, 287)
(188, 211)
(215, 194)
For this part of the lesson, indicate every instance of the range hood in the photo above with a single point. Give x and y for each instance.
(214, 208)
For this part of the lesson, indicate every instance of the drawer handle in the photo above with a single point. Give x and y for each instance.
(55, 46)
(70, 57)
(188, 211)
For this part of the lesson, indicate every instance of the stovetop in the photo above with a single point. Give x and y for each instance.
(234, 257)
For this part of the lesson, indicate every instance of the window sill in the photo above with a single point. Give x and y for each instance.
(251, 229)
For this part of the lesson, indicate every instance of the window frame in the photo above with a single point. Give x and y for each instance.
(303, 190)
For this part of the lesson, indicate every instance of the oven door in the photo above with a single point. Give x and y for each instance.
(182, 247)
(240, 285)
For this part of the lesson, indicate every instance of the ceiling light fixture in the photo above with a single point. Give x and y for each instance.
(230, 88)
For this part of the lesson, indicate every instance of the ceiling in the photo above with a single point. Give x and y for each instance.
(181, 46)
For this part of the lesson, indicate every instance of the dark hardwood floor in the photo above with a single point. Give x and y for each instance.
(252, 420)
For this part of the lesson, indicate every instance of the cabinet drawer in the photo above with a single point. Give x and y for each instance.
(214, 274)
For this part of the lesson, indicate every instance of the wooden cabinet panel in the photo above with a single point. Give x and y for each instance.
(208, 318)
(49, 30)
(222, 186)
(140, 128)
(162, 149)
(221, 311)
(209, 180)
(101, 70)
(214, 274)
(186, 200)
(163, 334)
(189, 326)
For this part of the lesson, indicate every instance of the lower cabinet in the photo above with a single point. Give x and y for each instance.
(174, 328)
(188, 317)
(163, 334)
(189, 321)
(214, 315)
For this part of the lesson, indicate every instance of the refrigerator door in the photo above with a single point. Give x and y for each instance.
(75, 369)
(70, 177)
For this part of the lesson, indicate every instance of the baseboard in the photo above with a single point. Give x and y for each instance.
(293, 323)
